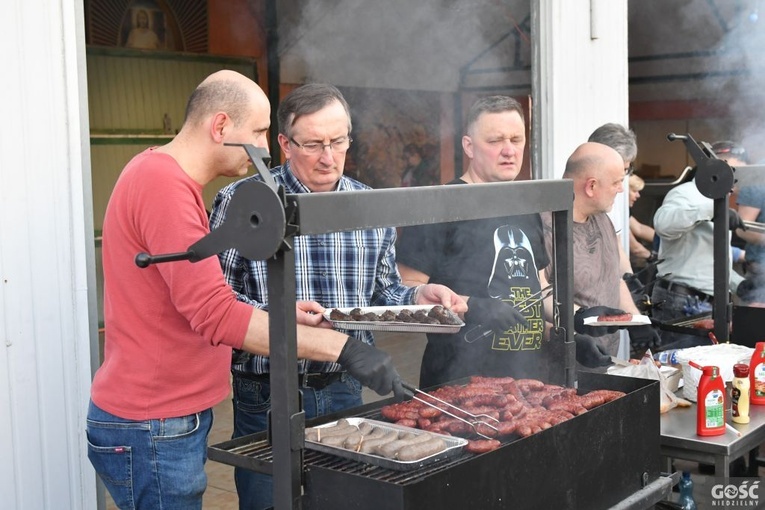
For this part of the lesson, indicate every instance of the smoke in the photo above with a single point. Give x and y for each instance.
(397, 44)
(705, 51)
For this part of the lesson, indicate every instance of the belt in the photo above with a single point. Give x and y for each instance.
(681, 288)
(315, 381)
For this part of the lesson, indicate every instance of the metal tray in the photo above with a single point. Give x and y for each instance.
(454, 446)
(402, 327)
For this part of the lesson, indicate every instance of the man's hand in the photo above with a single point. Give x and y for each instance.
(372, 367)
(434, 294)
(734, 220)
(644, 336)
(595, 311)
(589, 353)
(309, 313)
(493, 314)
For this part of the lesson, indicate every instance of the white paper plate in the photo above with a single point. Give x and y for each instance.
(637, 320)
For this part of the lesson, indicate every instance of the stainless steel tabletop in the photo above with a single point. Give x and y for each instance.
(679, 439)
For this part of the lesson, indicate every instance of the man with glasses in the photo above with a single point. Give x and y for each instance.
(338, 269)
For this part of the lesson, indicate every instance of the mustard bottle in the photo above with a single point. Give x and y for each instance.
(740, 394)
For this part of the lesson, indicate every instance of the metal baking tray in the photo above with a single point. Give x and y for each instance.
(402, 327)
(454, 446)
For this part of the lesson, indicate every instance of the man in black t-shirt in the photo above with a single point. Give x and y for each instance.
(497, 262)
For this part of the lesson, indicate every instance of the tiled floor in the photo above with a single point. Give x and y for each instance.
(406, 351)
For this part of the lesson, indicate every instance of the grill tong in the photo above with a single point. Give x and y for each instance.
(474, 418)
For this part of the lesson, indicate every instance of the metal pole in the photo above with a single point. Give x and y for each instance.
(287, 419)
(722, 310)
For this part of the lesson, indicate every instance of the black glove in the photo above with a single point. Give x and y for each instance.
(595, 311)
(493, 314)
(734, 221)
(589, 353)
(372, 367)
(644, 337)
(634, 284)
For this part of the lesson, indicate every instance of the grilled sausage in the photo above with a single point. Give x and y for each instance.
(623, 317)
(482, 445)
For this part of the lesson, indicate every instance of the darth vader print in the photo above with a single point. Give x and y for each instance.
(515, 279)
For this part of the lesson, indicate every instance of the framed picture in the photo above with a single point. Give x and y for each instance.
(144, 27)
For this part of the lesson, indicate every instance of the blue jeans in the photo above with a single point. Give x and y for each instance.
(152, 464)
(252, 400)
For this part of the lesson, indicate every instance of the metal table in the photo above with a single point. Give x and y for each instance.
(679, 440)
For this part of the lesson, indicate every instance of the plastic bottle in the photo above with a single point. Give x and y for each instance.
(710, 403)
(757, 375)
(667, 357)
(686, 500)
(740, 393)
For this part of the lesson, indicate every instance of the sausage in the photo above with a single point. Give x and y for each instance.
(608, 395)
(371, 445)
(482, 445)
(401, 411)
(389, 450)
(486, 430)
(341, 429)
(506, 428)
(408, 422)
(419, 451)
(430, 412)
(366, 428)
(622, 317)
(353, 440)
(339, 440)
(591, 400)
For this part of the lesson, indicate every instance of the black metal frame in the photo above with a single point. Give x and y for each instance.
(319, 213)
(715, 179)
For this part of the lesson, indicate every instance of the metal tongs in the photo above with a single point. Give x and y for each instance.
(474, 418)
(542, 293)
(754, 226)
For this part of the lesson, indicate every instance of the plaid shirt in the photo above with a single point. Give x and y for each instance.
(338, 269)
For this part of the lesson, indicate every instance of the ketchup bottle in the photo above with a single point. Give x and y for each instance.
(710, 405)
(757, 374)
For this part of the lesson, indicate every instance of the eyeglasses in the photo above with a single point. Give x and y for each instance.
(629, 170)
(338, 146)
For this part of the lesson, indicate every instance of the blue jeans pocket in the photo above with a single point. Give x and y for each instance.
(114, 465)
(251, 396)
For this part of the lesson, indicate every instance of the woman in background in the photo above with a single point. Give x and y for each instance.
(639, 232)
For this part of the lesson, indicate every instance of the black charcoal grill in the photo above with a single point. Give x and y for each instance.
(600, 459)
(560, 465)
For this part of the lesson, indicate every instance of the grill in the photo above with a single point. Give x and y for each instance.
(566, 466)
(595, 460)
(686, 325)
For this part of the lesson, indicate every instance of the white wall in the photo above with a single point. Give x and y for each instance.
(47, 296)
(580, 83)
